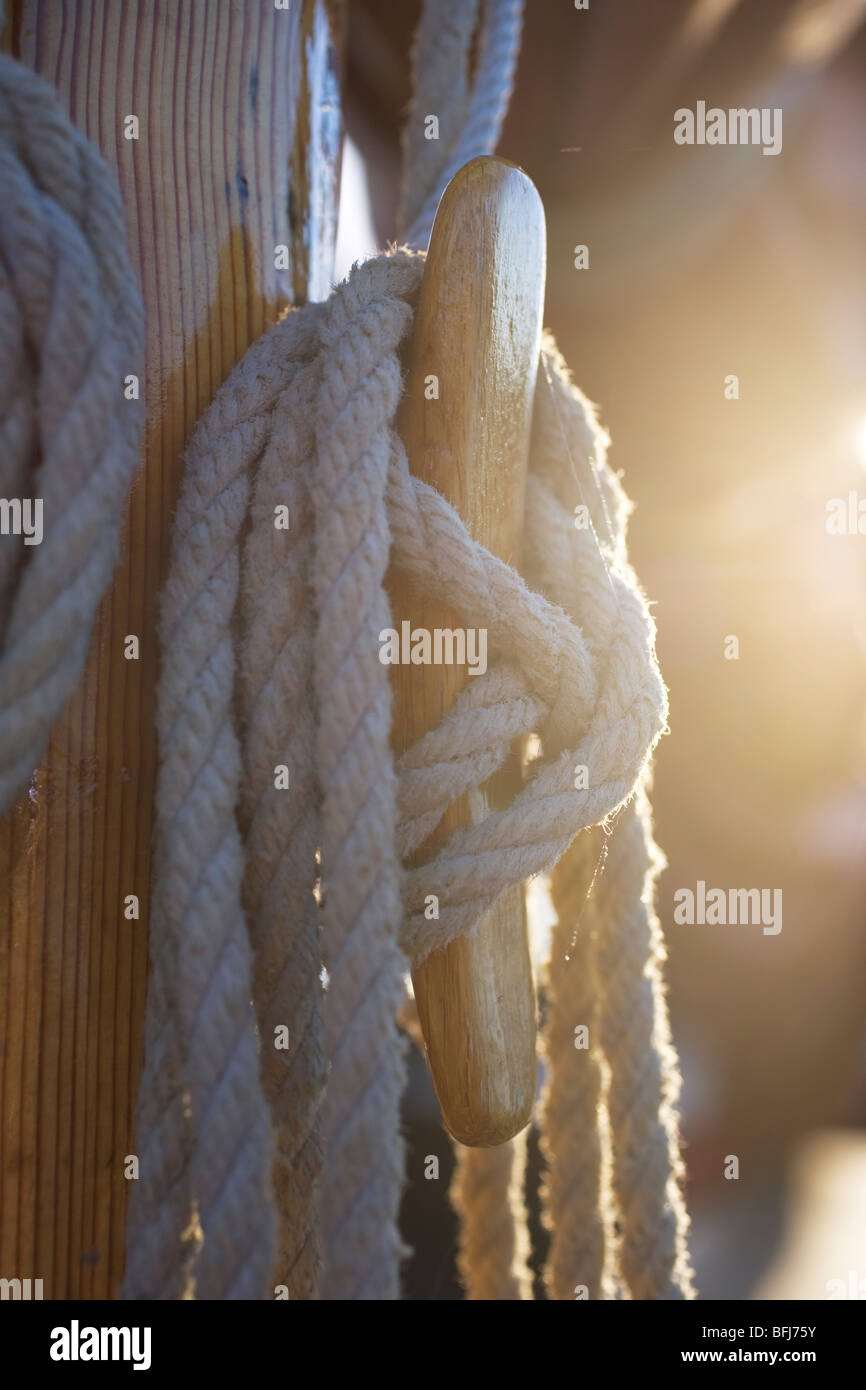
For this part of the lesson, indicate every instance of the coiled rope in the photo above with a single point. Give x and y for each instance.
(71, 331)
(319, 431)
(271, 1159)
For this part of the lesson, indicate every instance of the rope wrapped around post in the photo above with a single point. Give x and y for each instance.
(593, 693)
(71, 334)
(271, 1159)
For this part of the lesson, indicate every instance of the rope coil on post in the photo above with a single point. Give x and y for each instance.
(594, 688)
(71, 331)
(271, 1170)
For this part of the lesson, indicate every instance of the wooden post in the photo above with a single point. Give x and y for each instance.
(477, 330)
(237, 153)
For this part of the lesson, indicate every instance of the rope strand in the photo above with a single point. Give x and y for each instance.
(593, 692)
(487, 1193)
(270, 660)
(469, 120)
(71, 330)
(281, 832)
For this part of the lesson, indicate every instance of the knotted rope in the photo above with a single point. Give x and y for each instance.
(281, 817)
(607, 948)
(311, 412)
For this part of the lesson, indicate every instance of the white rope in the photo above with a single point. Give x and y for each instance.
(469, 112)
(487, 1193)
(227, 1117)
(70, 333)
(618, 1218)
(200, 1215)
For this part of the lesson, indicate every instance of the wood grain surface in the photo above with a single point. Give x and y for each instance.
(210, 188)
(478, 330)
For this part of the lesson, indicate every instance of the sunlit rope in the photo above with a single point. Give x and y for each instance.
(225, 1128)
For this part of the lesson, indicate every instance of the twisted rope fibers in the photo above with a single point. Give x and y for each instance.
(71, 330)
(270, 660)
(593, 694)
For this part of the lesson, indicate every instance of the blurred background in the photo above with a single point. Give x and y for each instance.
(708, 262)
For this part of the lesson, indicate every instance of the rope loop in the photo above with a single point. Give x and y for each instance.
(282, 907)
